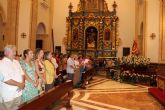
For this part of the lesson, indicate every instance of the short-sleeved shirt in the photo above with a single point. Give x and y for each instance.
(10, 69)
(49, 70)
(70, 65)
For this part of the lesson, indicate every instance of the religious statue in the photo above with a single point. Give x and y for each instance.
(107, 35)
(91, 38)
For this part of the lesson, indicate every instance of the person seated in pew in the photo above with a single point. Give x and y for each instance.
(49, 70)
(31, 81)
(12, 80)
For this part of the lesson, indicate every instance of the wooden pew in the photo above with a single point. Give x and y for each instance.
(47, 99)
(159, 91)
(161, 78)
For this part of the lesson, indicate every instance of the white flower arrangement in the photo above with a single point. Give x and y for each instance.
(133, 60)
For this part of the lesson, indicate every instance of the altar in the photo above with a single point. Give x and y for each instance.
(92, 29)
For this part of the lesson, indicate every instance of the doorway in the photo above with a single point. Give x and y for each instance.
(41, 35)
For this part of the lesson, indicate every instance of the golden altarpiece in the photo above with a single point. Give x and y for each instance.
(92, 29)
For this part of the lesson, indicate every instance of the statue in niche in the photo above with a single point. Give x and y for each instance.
(91, 39)
(107, 35)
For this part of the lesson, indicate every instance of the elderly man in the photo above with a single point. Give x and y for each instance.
(70, 67)
(11, 80)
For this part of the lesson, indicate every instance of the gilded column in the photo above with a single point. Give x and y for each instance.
(81, 34)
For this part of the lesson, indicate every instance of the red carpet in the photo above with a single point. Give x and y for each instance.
(157, 94)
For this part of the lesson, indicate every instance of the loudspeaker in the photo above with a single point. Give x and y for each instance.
(126, 51)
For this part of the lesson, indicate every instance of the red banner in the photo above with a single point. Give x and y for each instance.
(135, 48)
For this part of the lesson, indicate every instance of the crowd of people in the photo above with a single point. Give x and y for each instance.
(24, 77)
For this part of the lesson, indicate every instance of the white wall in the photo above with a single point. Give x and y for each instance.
(126, 29)
(125, 11)
(43, 14)
(24, 24)
(59, 21)
(152, 45)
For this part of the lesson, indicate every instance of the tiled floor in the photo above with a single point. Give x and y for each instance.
(106, 94)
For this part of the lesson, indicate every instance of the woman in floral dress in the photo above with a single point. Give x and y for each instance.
(30, 91)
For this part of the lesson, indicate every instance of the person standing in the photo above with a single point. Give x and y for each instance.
(70, 67)
(12, 80)
(49, 70)
(77, 71)
(64, 65)
(30, 91)
(40, 70)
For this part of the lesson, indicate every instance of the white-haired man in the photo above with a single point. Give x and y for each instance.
(11, 81)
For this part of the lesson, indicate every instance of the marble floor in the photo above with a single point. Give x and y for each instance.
(106, 94)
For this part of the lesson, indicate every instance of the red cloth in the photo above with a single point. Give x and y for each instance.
(157, 93)
(135, 48)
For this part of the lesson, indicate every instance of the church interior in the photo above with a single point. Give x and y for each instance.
(127, 73)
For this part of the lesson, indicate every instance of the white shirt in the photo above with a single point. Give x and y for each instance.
(70, 66)
(10, 70)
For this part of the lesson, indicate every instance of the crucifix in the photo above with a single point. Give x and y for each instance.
(23, 35)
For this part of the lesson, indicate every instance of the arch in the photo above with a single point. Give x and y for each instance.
(2, 14)
(41, 29)
(91, 34)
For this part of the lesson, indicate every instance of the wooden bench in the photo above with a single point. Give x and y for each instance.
(161, 78)
(159, 91)
(45, 100)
